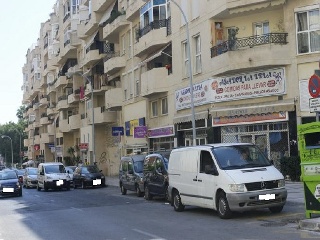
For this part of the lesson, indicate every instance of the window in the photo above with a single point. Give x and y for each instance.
(129, 45)
(137, 87)
(206, 161)
(125, 94)
(75, 6)
(154, 109)
(123, 42)
(261, 28)
(185, 59)
(66, 8)
(197, 43)
(164, 106)
(153, 11)
(308, 31)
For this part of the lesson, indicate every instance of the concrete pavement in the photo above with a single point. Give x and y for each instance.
(295, 194)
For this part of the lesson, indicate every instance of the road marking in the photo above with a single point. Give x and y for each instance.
(154, 237)
(77, 209)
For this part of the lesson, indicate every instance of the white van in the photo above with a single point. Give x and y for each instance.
(225, 177)
(52, 175)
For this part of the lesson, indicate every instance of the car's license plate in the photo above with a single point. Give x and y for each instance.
(96, 182)
(59, 182)
(8, 190)
(267, 197)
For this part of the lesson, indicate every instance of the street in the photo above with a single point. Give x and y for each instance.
(103, 213)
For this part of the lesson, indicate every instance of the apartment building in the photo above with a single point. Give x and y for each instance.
(109, 78)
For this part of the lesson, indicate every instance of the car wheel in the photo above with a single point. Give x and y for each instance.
(138, 191)
(123, 190)
(38, 188)
(20, 193)
(147, 194)
(223, 206)
(68, 186)
(177, 204)
(276, 209)
(45, 187)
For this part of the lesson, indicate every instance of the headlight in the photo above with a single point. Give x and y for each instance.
(236, 187)
(281, 183)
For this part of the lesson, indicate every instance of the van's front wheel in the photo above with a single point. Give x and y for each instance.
(276, 209)
(223, 207)
(177, 204)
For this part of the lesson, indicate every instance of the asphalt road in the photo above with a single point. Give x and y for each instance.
(103, 213)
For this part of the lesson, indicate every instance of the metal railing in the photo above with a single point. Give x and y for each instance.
(252, 41)
(157, 24)
(111, 55)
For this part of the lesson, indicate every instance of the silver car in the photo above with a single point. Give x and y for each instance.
(30, 177)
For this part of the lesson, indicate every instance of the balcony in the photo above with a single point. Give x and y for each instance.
(91, 57)
(101, 5)
(36, 139)
(267, 50)
(81, 31)
(46, 138)
(44, 120)
(92, 25)
(114, 98)
(75, 122)
(74, 97)
(74, 39)
(36, 106)
(154, 81)
(43, 100)
(111, 31)
(25, 142)
(62, 102)
(51, 111)
(152, 37)
(132, 11)
(101, 116)
(64, 125)
(61, 81)
(113, 62)
(36, 124)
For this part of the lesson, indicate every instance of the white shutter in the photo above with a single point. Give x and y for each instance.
(304, 95)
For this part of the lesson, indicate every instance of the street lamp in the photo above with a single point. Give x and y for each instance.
(20, 154)
(93, 160)
(5, 136)
(190, 72)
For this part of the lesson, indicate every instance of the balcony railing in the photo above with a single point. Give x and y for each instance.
(155, 25)
(232, 45)
(111, 55)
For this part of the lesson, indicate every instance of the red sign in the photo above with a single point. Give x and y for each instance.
(83, 146)
(314, 86)
(37, 147)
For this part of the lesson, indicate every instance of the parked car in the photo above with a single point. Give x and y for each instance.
(131, 174)
(9, 183)
(20, 173)
(30, 177)
(155, 176)
(52, 175)
(88, 176)
(70, 170)
(223, 178)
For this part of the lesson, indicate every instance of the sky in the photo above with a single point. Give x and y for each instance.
(20, 22)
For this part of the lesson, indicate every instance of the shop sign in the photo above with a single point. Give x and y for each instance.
(249, 119)
(36, 147)
(83, 146)
(236, 87)
(161, 132)
(140, 132)
(130, 125)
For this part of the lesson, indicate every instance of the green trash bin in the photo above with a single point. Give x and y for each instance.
(309, 150)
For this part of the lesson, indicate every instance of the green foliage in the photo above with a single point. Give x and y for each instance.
(291, 166)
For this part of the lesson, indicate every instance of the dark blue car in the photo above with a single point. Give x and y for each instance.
(9, 183)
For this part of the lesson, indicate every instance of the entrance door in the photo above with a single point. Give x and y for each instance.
(199, 141)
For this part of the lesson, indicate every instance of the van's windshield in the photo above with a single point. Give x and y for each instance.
(55, 169)
(240, 156)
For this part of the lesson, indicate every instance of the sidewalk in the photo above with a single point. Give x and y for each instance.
(295, 195)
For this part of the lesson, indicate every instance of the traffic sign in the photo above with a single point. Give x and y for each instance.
(314, 104)
(314, 86)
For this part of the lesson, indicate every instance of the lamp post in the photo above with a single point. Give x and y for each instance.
(93, 160)
(193, 121)
(5, 136)
(20, 147)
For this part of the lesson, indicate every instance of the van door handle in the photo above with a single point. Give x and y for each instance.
(199, 180)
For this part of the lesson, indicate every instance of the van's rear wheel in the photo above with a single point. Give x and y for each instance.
(276, 209)
(38, 188)
(177, 204)
(223, 207)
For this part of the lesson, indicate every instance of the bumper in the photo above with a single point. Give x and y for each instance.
(95, 182)
(32, 183)
(16, 192)
(250, 200)
(58, 184)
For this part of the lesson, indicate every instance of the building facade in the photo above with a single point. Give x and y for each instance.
(110, 78)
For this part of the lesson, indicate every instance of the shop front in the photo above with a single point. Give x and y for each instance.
(270, 125)
(161, 139)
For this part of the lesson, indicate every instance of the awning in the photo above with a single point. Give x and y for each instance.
(188, 118)
(157, 54)
(107, 14)
(256, 6)
(91, 39)
(248, 109)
